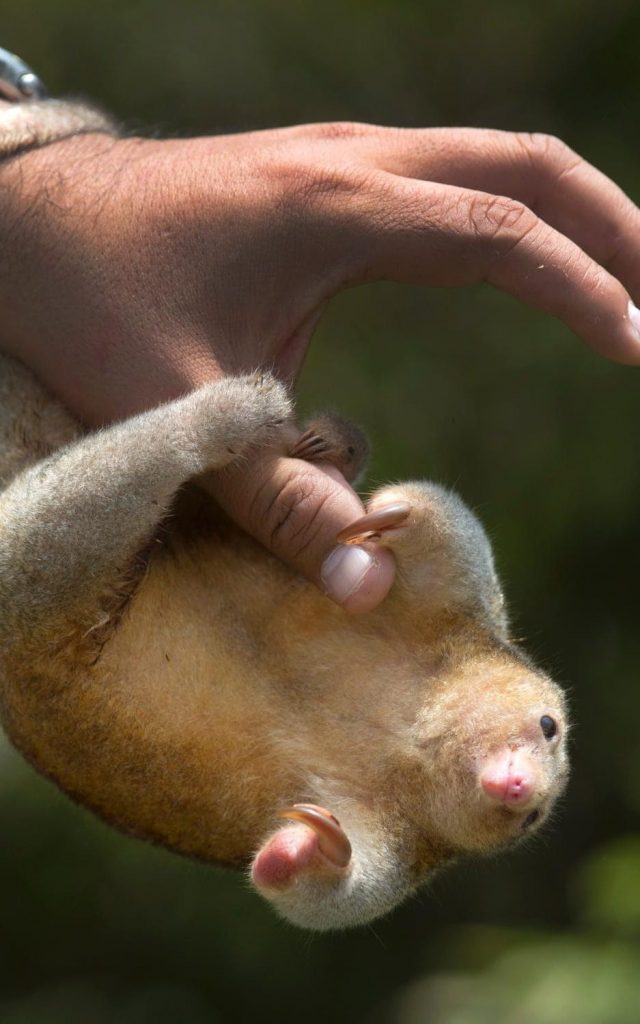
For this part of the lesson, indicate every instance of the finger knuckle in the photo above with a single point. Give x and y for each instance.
(547, 154)
(595, 280)
(341, 130)
(306, 185)
(500, 220)
(289, 517)
(585, 278)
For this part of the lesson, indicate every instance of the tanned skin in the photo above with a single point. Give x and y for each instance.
(168, 672)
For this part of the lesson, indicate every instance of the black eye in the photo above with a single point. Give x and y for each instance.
(548, 726)
(531, 819)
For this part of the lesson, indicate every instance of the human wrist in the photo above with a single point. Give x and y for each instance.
(77, 218)
(46, 198)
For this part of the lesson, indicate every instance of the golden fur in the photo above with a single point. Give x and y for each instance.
(173, 676)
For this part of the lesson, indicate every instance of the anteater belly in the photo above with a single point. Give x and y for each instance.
(168, 734)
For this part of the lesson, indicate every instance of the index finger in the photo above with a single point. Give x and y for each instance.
(421, 233)
(539, 170)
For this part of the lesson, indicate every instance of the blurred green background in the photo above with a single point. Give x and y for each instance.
(468, 387)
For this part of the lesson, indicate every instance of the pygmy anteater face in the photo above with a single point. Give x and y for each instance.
(496, 745)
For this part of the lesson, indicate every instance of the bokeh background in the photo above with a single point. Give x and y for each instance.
(468, 387)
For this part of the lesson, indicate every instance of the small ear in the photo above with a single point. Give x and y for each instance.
(373, 524)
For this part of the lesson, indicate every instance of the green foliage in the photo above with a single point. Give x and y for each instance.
(550, 981)
(609, 888)
(537, 433)
(503, 976)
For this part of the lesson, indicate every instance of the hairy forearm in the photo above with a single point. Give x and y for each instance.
(24, 126)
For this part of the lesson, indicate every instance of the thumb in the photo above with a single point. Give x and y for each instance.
(296, 509)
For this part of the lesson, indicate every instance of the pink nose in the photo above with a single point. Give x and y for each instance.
(510, 787)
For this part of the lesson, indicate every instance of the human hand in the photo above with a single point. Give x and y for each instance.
(134, 270)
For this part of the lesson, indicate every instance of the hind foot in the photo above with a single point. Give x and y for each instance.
(443, 553)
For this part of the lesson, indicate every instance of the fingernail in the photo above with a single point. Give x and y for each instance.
(634, 317)
(344, 570)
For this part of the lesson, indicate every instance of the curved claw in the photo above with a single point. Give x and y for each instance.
(310, 446)
(386, 518)
(332, 841)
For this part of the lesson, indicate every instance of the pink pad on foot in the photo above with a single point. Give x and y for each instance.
(284, 856)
